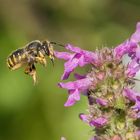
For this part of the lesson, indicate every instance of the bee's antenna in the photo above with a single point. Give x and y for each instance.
(57, 44)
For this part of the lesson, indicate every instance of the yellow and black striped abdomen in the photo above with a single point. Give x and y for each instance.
(16, 59)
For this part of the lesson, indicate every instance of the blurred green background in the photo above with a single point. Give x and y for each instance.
(29, 112)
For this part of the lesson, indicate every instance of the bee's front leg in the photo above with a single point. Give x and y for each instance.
(41, 60)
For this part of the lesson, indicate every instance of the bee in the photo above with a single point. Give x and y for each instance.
(34, 52)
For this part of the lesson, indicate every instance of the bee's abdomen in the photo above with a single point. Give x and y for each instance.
(16, 59)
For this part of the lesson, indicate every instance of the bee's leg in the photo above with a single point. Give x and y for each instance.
(41, 59)
(51, 53)
(31, 70)
(52, 60)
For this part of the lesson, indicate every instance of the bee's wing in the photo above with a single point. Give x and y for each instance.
(32, 46)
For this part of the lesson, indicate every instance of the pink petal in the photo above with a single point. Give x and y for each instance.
(84, 118)
(132, 68)
(81, 84)
(73, 97)
(73, 49)
(78, 76)
(70, 65)
(136, 36)
(130, 94)
(99, 122)
(63, 55)
(101, 101)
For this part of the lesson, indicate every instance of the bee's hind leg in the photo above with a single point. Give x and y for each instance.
(31, 70)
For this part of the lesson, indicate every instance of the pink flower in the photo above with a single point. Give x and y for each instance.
(84, 118)
(134, 97)
(130, 46)
(79, 57)
(74, 89)
(101, 101)
(132, 68)
(111, 99)
(99, 122)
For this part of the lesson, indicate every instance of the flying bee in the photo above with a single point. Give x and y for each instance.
(32, 53)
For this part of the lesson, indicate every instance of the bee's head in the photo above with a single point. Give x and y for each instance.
(48, 48)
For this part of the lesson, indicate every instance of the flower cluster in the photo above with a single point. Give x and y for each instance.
(114, 105)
